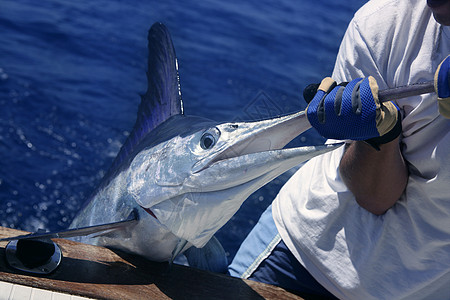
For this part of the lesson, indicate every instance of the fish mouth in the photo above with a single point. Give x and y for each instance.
(228, 153)
(256, 137)
(149, 211)
(222, 174)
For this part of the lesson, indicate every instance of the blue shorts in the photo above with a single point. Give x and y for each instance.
(264, 257)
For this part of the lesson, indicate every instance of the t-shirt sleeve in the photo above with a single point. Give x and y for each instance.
(355, 59)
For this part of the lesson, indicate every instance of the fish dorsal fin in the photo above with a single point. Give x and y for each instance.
(163, 97)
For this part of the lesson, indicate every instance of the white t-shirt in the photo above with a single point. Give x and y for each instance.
(405, 253)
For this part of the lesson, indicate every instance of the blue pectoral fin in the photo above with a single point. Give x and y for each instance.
(211, 257)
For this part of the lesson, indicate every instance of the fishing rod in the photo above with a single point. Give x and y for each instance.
(390, 94)
(405, 91)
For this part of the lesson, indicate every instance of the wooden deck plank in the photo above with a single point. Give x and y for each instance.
(101, 273)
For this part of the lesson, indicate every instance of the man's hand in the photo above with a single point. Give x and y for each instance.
(353, 111)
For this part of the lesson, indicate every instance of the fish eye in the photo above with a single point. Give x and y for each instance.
(209, 139)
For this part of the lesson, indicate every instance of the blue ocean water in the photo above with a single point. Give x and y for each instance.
(71, 73)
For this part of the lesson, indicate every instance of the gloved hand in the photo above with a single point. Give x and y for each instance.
(441, 85)
(352, 111)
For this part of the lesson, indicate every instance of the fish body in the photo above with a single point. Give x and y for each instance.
(186, 176)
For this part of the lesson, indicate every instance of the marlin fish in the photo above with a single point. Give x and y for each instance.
(184, 175)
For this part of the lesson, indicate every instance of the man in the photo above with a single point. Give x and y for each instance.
(370, 220)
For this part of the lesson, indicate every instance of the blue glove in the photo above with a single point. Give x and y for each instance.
(353, 112)
(441, 85)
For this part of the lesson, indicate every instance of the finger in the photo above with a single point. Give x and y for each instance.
(310, 91)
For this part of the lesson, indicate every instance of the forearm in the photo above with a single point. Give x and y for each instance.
(376, 178)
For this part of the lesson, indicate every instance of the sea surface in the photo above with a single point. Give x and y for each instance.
(71, 73)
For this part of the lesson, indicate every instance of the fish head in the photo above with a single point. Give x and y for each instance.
(194, 182)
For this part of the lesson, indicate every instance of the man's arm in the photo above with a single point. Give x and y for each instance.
(376, 178)
(354, 112)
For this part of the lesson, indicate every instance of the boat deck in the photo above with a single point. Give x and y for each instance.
(100, 273)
